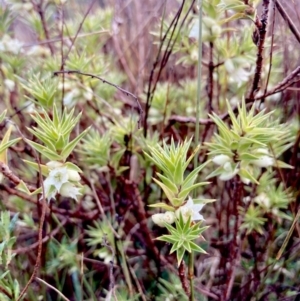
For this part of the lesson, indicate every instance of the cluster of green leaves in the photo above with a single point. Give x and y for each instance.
(55, 134)
(8, 284)
(253, 141)
(5, 142)
(182, 237)
(173, 162)
(43, 91)
(272, 199)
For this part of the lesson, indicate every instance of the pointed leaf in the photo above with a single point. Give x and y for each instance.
(35, 166)
(44, 151)
(170, 195)
(196, 248)
(69, 148)
(163, 206)
(180, 253)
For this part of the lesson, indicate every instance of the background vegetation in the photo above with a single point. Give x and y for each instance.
(127, 75)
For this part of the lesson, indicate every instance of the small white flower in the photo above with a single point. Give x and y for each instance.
(169, 217)
(88, 94)
(73, 175)
(190, 210)
(263, 200)
(158, 219)
(264, 158)
(9, 84)
(263, 161)
(221, 159)
(228, 172)
(58, 176)
(70, 190)
(161, 218)
(50, 190)
(54, 164)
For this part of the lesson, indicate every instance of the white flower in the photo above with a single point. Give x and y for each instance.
(190, 210)
(70, 190)
(221, 159)
(61, 180)
(158, 219)
(169, 217)
(73, 175)
(88, 94)
(50, 190)
(54, 164)
(263, 200)
(228, 172)
(11, 45)
(264, 159)
(9, 84)
(161, 218)
(57, 177)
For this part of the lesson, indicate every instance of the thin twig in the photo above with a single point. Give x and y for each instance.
(105, 82)
(271, 49)
(210, 79)
(151, 90)
(45, 239)
(78, 30)
(183, 279)
(53, 288)
(5, 170)
(284, 84)
(288, 20)
(55, 40)
(262, 29)
(6, 293)
(40, 236)
(111, 289)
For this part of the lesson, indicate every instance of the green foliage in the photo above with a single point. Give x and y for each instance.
(7, 240)
(252, 142)
(253, 220)
(8, 284)
(182, 237)
(101, 235)
(95, 149)
(171, 290)
(55, 134)
(134, 187)
(43, 91)
(173, 162)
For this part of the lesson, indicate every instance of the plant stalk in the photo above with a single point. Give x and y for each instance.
(191, 276)
(198, 83)
(191, 257)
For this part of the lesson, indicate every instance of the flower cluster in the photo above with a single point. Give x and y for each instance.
(188, 210)
(230, 168)
(62, 179)
(173, 161)
(252, 142)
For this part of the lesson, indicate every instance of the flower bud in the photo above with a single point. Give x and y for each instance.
(54, 164)
(169, 217)
(158, 219)
(228, 172)
(221, 159)
(263, 161)
(186, 212)
(73, 175)
(69, 190)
